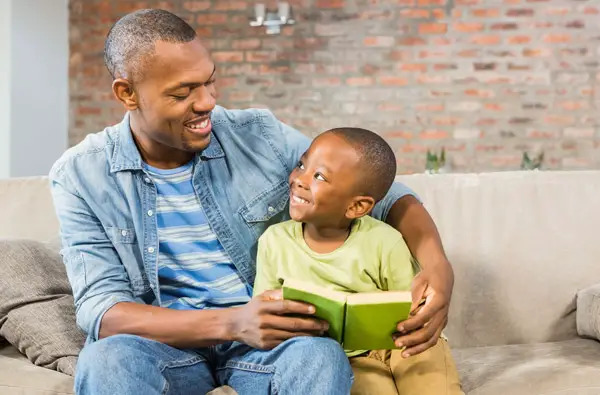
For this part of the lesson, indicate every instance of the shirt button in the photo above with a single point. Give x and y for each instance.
(151, 250)
(271, 209)
(150, 212)
(146, 180)
(123, 233)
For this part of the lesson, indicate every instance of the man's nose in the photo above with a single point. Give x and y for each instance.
(205, 99)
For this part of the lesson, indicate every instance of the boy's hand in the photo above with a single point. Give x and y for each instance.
(264, 322)
(423, 329)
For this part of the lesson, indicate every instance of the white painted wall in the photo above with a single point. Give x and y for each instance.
(5, 28)
(38, 56)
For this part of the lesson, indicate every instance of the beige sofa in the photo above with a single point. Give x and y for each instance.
(522, 244)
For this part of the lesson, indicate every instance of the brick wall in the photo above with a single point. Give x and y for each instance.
(486, 79)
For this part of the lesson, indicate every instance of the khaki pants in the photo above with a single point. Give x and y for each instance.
(382, 372)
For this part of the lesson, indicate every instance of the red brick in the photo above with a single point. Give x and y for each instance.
(246, 43)
(399, 55)
(578, 24)
(379, 41)
(401, 134)
(540, 134)
(486, 40)
(195, 6)
(438, 13)
(468, 2)
(260, 56)
(432, 28)
(519, 40)
(561, 11)
(331, 3)
(392, 81)
(228, 56)
(204, 31)
(433, 107)
(420, 67)
(389, 106)
(431, 2)
(411, 41)
(230, 5)
(579, 133)
(445, 121)
(327, 81)
(573, 105)
(225, 82)
(245, 96)
(433, 135)
(359, 81)
(591, 11)
(557, 38)
(414, 13)
(468, 27)
(486, 13)
(493, 107)
(517, 12)
(88, 110)
(485, 93)
(535, 53)
(504, 26)
(211, 19)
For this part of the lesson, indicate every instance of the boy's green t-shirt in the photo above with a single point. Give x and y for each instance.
(374, 257)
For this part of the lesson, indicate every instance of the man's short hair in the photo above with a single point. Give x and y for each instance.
(377, 160)
(131, 40)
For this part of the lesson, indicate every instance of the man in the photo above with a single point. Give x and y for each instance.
(165, 208)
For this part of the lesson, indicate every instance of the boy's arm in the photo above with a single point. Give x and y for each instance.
(266, 275)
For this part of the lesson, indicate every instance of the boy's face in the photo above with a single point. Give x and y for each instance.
(323, 183)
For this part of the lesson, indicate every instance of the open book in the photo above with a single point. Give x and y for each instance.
(358, 321)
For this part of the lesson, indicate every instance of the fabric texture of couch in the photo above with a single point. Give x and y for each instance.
(523, 246)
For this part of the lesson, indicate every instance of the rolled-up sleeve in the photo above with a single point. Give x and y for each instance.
(396, 192)
(96, 274)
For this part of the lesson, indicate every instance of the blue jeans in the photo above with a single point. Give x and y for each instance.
(127, 364)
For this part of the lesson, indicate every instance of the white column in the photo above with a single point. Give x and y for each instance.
(37, 82)
(5, 51)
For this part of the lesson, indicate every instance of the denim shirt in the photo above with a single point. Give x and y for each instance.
(106, 205)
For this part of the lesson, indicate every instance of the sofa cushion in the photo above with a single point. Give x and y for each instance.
(588, 312)
(37, 313)
(19, 376)
(567, 367)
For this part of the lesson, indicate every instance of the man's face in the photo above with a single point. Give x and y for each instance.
(323, 184)
(176, 94)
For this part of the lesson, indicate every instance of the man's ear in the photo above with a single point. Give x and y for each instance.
(360, 206)
(123, 91)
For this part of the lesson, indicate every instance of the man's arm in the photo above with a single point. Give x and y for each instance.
(105, 304)
(435, 282)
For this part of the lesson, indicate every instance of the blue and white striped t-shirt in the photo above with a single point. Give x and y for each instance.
(194, 271)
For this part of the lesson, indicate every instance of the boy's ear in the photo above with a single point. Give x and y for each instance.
(360, 206)
(123, 91)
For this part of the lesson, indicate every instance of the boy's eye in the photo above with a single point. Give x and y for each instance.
(300, 165)
(319, 176)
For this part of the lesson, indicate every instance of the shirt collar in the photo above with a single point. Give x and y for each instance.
(126, 155)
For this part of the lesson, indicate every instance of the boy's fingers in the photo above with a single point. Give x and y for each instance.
(273, 294)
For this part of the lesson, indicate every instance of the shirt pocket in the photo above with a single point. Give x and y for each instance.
(125, 243)
(267, 208)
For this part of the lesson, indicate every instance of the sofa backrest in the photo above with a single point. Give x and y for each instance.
(26, 209)
(522, 244)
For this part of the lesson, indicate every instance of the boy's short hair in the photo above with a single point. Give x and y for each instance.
(377, 160)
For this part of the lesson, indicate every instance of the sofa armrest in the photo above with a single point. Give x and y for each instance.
(588, 312)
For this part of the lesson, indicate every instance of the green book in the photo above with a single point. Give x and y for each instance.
(358, 321)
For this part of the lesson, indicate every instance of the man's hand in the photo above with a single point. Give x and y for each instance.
(264, 322)
(422, 330)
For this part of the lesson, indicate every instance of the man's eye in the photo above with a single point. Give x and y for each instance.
(319, 176)
(179, 97)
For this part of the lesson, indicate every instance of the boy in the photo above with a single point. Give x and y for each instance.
(331, 241)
